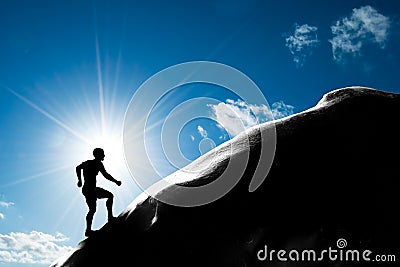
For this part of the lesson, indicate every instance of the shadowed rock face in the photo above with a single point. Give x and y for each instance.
(335, 175)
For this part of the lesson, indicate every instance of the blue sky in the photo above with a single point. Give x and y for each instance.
(68, 70)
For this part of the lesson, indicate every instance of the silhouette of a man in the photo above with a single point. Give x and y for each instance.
(90, 170)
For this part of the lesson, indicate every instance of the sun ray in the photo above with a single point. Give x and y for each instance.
(70, 208)
(115, 85)
(100, 84)
(48, 115)
(99, 72)
(36, 176)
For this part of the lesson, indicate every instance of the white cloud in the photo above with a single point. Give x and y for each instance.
(192, 137)
(6, 204)
(365, 24)
(34, 247)
(2, 216)
(236, 116)
(202, 132)
(300, 44)
(281, 110)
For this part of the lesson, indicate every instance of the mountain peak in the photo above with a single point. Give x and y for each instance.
(341, 94)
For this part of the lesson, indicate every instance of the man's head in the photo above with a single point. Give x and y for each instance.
(98, 153)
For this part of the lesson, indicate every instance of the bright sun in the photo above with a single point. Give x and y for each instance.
(113, 149)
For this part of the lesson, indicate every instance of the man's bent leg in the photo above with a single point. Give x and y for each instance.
(102, 193)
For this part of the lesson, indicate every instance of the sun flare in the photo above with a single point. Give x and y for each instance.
(113, 149)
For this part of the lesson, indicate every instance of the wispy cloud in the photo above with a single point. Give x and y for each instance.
(302, 42)
(365, 25)
(192, 137)
(33, 248)
(236, 116)
(6, 204)
(202, 132)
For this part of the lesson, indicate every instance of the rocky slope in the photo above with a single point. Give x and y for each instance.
(335, 175)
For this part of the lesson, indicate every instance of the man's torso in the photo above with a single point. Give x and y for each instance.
(91, 169)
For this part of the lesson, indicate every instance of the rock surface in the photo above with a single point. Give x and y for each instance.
(335, 175)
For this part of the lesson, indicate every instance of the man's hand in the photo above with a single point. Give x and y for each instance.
(118, 182)
(79, 183)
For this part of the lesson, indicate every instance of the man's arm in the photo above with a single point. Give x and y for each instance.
(79, 173)
(108, 176)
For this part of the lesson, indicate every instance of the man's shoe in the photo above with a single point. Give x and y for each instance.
(89, 233)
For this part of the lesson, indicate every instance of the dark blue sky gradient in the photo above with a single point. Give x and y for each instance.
(56, 57)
